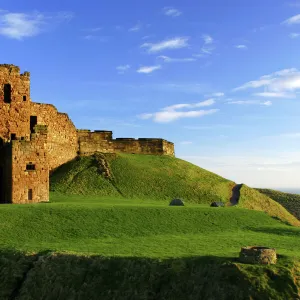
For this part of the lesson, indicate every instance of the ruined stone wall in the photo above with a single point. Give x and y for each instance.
(14, 114)
(168, 148)
(102, 141)
(62, 144)
(30, 185)
(15, 117)
(92, 142)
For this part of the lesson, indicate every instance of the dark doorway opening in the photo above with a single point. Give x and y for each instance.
(30, 194)
(33, 122)
(13, 136)
(24, 98)
(7, 93)
(1, 185)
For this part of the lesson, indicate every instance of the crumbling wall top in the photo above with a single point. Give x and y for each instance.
(12, 69)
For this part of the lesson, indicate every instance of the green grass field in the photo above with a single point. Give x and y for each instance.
(119, 238)
(79, 240)
(140, 228)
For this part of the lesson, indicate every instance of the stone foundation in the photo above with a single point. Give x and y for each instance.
(258, 255)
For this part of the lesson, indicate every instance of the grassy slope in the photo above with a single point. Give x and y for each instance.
(157, 178)
(290, 202)
(253, 199)
(143, 177)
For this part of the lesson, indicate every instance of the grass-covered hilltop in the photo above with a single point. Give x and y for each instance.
(109, 233)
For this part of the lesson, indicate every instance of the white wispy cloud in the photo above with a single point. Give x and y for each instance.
(208, 102)
(136, 27)
(170, 60)
(146, 37)
(208, 46)
(286, 81)
(23, 25)
(218, 94)
(172, 113)
(170, 116)
(294, 35)
(250, 102)
(293, 20)
(175, 43)
(123, 68)
(149, 69)
(206, 50)
(243, 47)
(171, 12)
(274, 95)
(207, 39)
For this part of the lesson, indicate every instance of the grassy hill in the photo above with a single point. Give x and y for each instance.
(291, 202)
(143, 177)
(158, 178)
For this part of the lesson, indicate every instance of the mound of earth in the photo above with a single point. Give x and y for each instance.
(160, 178)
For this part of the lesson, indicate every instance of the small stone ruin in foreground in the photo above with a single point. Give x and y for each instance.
(258, 255)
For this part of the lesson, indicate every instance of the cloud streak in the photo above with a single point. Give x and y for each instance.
(136, 27)
(173, 113)
(207, 39)
(172, 12)
(250, 102)
(294, 35)
(21, 25)
(149, 69)
(242, 47)
(175, 43)
(123, 68)
(292, 21)
(167, 59)
(282, 83)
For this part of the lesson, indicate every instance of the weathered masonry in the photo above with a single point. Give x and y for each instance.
(35, 139)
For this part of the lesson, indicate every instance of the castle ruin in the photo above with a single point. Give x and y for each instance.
(35, 139)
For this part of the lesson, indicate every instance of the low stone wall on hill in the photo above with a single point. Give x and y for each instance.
(102, 141)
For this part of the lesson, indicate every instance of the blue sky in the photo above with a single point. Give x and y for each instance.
(222, 81)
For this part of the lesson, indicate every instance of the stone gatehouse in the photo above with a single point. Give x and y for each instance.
(35, 139)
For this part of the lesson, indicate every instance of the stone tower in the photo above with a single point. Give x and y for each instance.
(24, 171)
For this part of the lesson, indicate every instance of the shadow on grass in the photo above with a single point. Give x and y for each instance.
(49, 275)
(292, 231)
